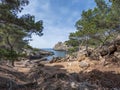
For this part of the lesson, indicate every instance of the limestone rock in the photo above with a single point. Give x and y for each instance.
(83, 64)
(117, 54)
(74, 85)
(81, 57)
(31, 54)
(57, 59)
(87, 86)
(60, 46)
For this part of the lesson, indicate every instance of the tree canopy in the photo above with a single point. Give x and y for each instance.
(15, 32)
(99, 24)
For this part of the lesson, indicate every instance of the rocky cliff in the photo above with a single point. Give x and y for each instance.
(60, 46)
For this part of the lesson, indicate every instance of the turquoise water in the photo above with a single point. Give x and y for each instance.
(56, 53)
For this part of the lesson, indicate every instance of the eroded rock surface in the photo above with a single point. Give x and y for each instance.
(60, 46)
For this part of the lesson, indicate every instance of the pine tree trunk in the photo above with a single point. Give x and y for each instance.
(86, 44)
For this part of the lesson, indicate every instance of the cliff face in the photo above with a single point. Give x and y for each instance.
(60, 46)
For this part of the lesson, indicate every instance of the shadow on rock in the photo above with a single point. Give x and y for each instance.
(107, 80)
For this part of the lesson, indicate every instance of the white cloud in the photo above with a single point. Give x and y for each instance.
(57, 24)
(51, 37)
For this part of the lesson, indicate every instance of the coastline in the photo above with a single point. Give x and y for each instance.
(73, 73)
(57, 53)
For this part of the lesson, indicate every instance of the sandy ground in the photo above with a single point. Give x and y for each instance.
(70, 67)
(73, 67)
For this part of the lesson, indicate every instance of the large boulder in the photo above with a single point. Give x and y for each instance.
(57, 59)
(81, 57)
(110, 48)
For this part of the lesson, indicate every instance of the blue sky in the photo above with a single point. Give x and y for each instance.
(59, 17)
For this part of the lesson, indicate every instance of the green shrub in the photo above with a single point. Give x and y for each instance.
(72, 50)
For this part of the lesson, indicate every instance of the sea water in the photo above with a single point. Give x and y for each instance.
(56, 53)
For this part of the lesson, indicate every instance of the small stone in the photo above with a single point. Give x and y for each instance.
(83, 64)
(74, 85)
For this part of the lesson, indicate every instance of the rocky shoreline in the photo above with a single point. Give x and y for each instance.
(95, 72)
(38, 54)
